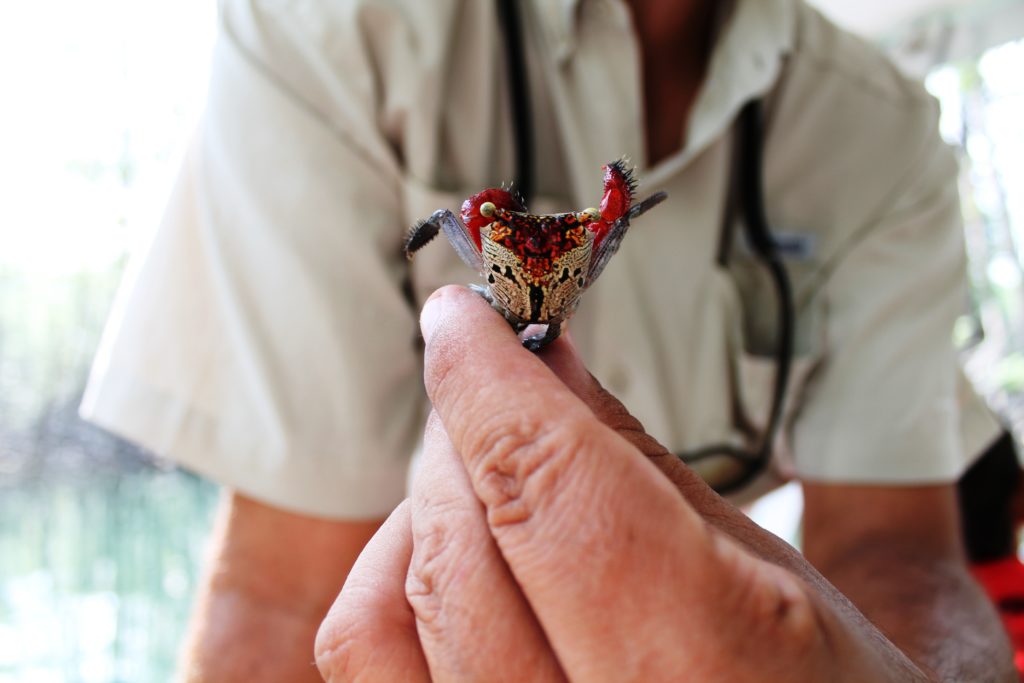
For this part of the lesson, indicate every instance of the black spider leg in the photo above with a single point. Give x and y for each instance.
(420, 235)
(539, 341)
(613, 239)
(454, 230)
(646, 205)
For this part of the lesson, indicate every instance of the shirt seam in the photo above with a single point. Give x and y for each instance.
(907, 97)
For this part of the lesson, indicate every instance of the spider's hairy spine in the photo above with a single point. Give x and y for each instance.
(621, 165)
(516, 195)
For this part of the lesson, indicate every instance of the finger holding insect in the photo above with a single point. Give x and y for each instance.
(458, 581)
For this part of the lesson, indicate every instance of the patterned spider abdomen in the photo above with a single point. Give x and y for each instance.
(536, 266)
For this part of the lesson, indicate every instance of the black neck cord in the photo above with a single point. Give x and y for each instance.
(747, 162)
(519, 94)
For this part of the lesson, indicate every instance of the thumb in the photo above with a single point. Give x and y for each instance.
(562, 357)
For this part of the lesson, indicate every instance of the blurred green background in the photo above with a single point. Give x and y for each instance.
(100, 543)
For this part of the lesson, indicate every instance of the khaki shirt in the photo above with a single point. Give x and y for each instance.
(265, 341)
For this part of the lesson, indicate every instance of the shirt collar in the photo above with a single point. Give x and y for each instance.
(746, 64)
(765, 26)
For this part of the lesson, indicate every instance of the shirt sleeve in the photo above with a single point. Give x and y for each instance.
(886, 403)
(264, 341)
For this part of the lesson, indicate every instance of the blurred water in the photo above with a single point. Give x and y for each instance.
(97, 576)
(100, 542)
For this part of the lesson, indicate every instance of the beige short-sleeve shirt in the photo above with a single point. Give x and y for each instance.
(265, 340)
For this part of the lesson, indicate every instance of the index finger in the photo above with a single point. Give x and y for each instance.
(588, 526)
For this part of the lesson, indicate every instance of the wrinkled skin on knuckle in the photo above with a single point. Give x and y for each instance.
(611, 411)
(520, 464)
(776, 606)
(615, 415)
(439, 560)
(787, 612)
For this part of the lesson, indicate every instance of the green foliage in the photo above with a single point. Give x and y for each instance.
(1010, 374)
(100, 575)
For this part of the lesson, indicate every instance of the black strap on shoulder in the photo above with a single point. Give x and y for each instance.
(759, 236)
(745, 197)
(511, 24)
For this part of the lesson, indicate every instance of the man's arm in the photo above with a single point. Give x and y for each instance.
(271, 577)
(896, 553)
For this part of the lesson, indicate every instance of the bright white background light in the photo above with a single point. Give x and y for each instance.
(99, 97)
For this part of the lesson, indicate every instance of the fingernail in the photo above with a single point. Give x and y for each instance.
(430, 314)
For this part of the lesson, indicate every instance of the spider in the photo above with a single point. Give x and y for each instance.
(537, 266)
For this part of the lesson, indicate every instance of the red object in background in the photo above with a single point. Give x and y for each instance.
(1003, 580)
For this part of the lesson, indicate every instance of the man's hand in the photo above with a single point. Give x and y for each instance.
(544, 541)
